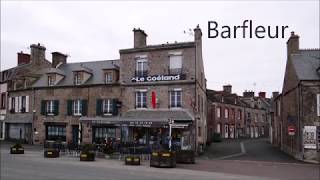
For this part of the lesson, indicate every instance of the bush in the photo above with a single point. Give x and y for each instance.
(17, 149)
(217, 137)
(17, 145)
(87, 156)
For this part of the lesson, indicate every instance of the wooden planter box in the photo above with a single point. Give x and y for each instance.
(132, 160)
(16, 150)
(185, 156)
(163, 159)
(51, 153)
(87, 156)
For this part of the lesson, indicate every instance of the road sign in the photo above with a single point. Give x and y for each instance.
(291, 130)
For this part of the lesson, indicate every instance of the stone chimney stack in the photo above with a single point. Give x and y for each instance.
(140, 38)
(38, 54)
(23, 58)
(248, 94)
(262, 94)
(275, 94)
(197, 34)
(58, 58)
(227, 89)
(292, 44)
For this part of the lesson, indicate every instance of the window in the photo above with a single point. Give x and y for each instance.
(77, 107)
(13, 104)
(141, 99)
(175, 64)
(256, 118)
(50, 108)
(107, 106)
(218, 112)
(175, 98)
(232, 114)
(218, 128)
(226, 113)
(141, 67)
(56, 132)
(100, 133)
(3, 100)
(51, 80)
(23, 104)
(318, 104)
(239, 114)
(109, 77)
(77, 78)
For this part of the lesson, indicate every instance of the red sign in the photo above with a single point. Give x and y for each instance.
(291, 130)
(153, 99)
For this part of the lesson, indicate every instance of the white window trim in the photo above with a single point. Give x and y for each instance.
(108, 103)
(226, 113)
(174, 92)
(141, 100)
(50, 107)
(77, 78)
(218, 111)
(107, 76)
(77, 111)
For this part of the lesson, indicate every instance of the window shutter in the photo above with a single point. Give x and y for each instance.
(99, 107)
(318, 104)
(16, 106)
(27, 103)
(10, 103)
(84, 109)
(114, 107)
(56, 107)
(69, 107)
(43, 107)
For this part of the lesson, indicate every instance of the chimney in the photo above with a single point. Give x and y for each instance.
(23, 58)
(58, 58)
(197, 34)
(248, 94)
(140, 38)
(262, 94)
(292, 44)
(227, 89)
(275, 94)
(38, 53)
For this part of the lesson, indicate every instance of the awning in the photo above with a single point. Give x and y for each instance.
(144, 118)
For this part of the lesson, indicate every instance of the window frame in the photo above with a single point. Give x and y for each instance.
(77, 107)
(50, 107)
(141, 99)
(174, 94)
(108, 103)
(77, 79)
(51, 80)
(108, 77)
(142, 67)
(226, 113)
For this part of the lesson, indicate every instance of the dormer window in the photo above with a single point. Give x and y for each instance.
(109, 77)
(77, 78)
(51, 80)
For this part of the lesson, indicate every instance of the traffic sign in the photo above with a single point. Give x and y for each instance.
(291, 130)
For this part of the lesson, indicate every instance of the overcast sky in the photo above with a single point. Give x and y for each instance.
(89, 31)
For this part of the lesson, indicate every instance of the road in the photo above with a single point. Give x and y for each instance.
(253, 165)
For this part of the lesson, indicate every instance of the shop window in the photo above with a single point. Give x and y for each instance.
(100, 134)
(109, 77)
(56, 132)
(175, 64)
(175, 98)
(141, 67)
(218, 112)
(141, 99)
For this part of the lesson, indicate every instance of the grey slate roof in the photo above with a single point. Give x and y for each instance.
(306, 63)
(95, 68)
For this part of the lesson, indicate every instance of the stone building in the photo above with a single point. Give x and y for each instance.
(299, 103)
(234, 116)
(132, 99)
(225, 114)
(16, 96)
(257, 114)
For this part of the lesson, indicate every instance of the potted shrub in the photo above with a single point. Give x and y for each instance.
(87, 153)
(17, 149)
(185, 156)
(51, 153)
(163, 159)
(132, 160)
